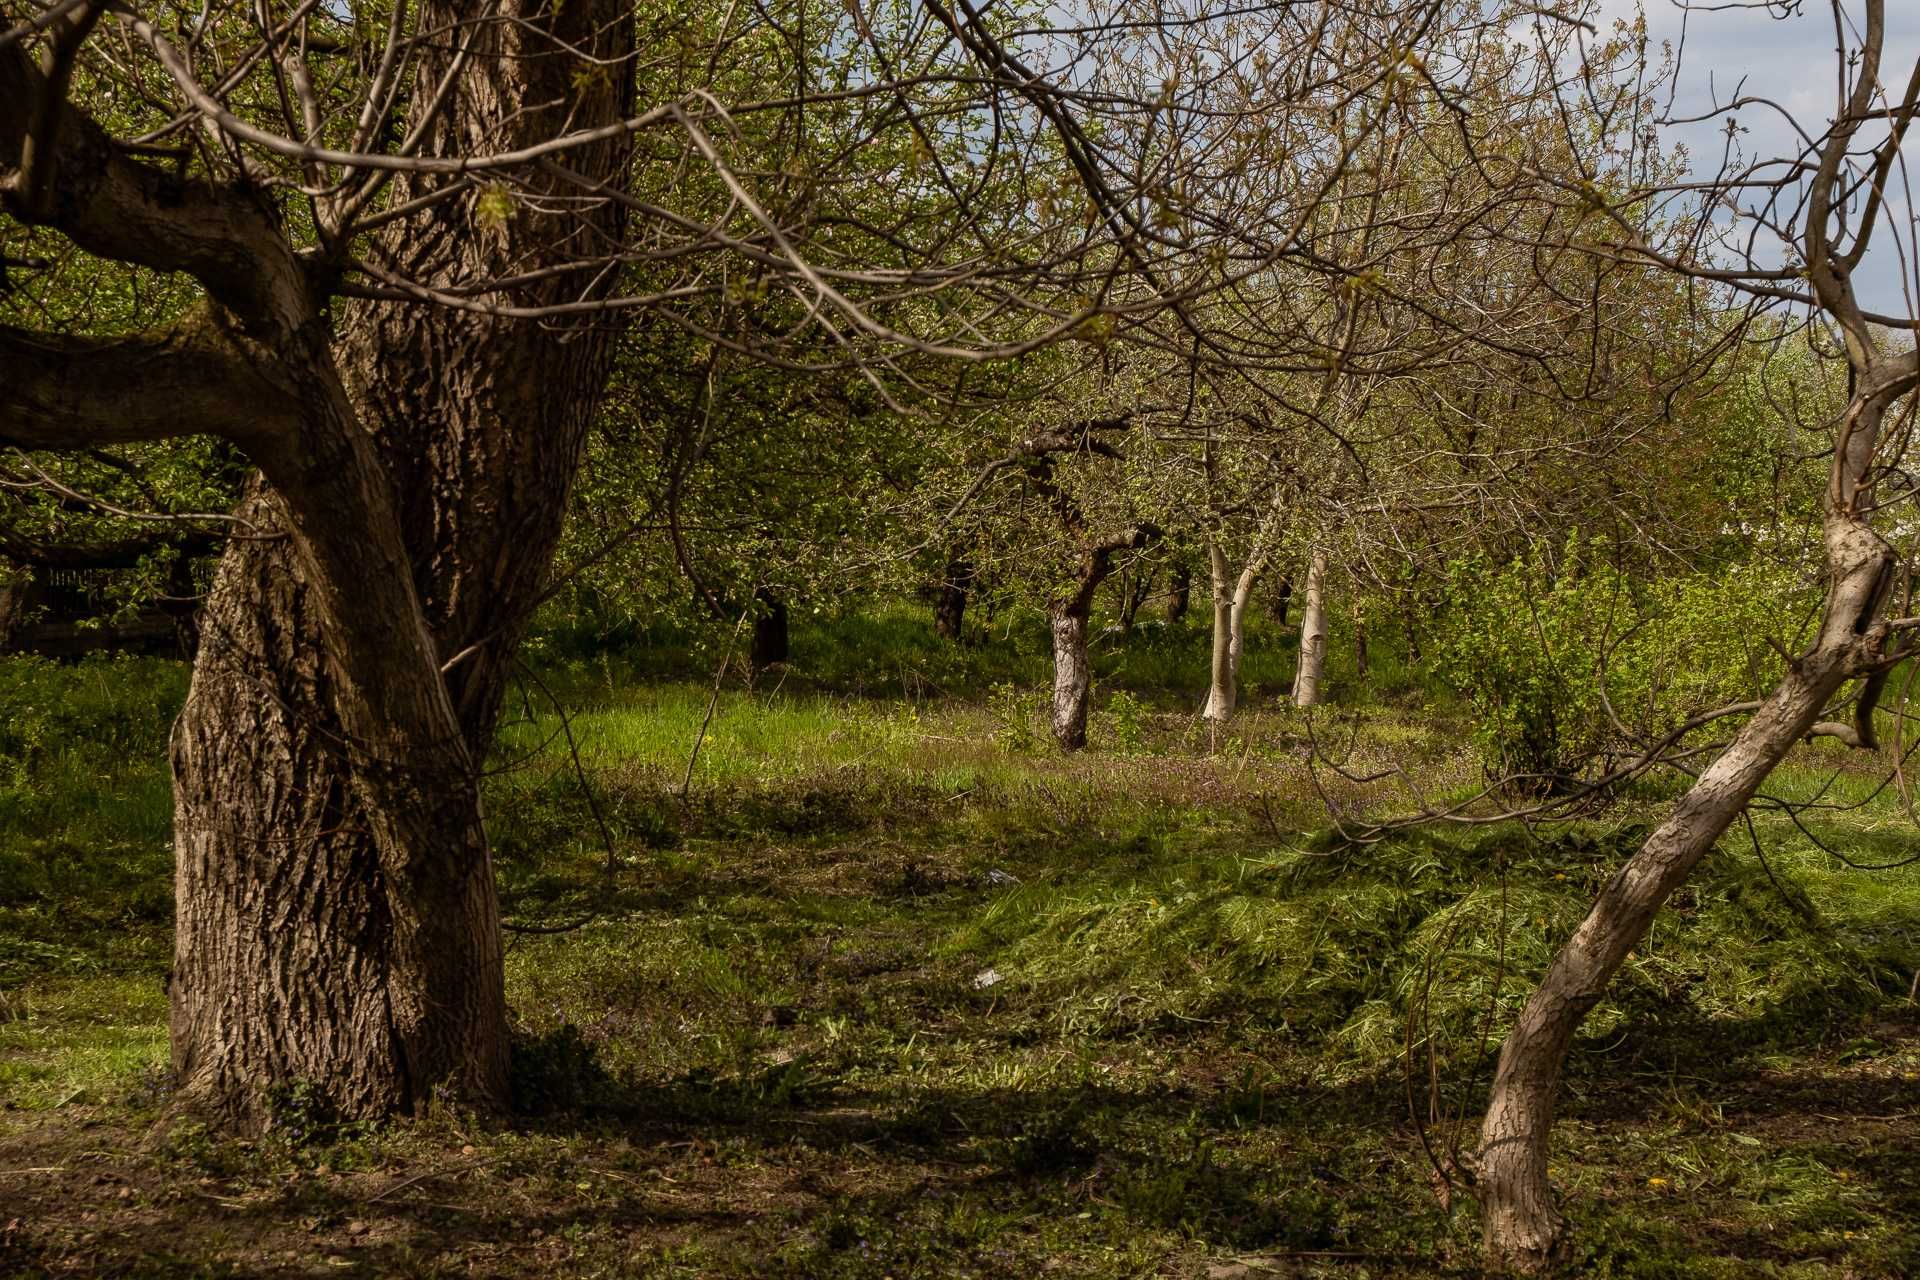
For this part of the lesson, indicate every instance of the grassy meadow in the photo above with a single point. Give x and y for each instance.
(883, 987)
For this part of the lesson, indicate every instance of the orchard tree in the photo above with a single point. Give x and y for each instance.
(1829, 205)
(404, 233)
(398, 241)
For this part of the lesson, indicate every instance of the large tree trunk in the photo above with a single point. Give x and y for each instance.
(1313, 634)
(337, 920)
(1072, 677)
(323, 936)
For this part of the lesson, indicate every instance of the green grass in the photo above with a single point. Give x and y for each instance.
(892, 990)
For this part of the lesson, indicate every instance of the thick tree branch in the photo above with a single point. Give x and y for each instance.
(1099, 561)
(65, 393)
(74, 179)
(121, 553)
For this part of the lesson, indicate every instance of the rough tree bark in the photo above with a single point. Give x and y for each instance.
(380, 981)
(1072, 678)
(1313, 634)
(337, 923)
(1523, 1230)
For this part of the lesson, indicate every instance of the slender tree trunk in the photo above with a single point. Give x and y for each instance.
(1313, 634)
(1522, 1228)
(950, 604)
(1223, 685)
(1230, 599)
(1179, 592)
(1072, 677)
(1134, 589)
(1072, 671)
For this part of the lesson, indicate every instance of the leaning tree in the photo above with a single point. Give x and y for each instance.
(1794, 231)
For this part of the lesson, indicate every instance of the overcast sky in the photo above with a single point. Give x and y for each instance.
(1790, 60)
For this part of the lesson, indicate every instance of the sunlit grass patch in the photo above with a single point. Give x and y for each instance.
(87, 1040)
(890, 973)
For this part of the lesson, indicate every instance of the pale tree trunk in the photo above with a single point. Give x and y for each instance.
(1313, 633)
(1230, 598)
(1072, 678)
(1068, 615)
(1522, 1228)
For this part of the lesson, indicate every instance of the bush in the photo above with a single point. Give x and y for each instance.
(1572, 665)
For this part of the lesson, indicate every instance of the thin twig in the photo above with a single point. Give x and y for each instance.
(713, 702)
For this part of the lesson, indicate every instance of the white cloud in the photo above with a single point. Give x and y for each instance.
(1791, 61)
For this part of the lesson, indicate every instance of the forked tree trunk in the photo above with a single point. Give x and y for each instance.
(1313, 634)
(337, 919)
(1230, 598)
(1072, 677)
(1072, 670)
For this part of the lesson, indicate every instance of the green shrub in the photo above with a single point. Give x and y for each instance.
(1572, 665)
